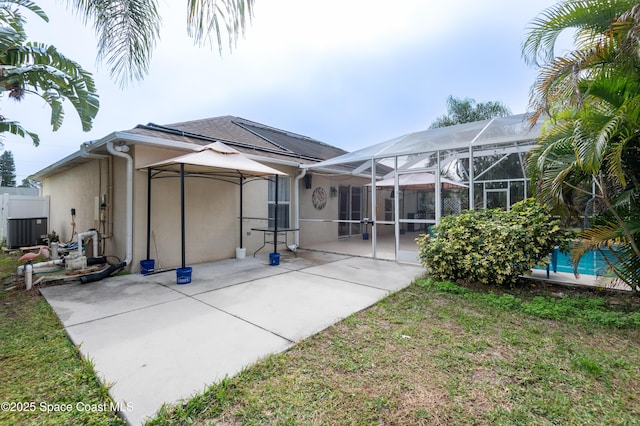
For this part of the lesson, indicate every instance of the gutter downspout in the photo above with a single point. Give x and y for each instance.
(119, 152)
(296, 192)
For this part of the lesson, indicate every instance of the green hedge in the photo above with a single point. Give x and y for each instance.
(491, 246)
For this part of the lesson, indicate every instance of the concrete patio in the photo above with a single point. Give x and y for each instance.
(156, 341)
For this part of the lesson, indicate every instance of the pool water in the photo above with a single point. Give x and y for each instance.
(591, 263)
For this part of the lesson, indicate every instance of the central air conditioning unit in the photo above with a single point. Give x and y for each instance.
(26, 232)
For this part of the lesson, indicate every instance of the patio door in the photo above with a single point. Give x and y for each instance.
(349, 210)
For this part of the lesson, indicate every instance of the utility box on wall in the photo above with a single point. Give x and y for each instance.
(25, 232)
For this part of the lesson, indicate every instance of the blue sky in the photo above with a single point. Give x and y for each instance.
(350, 73)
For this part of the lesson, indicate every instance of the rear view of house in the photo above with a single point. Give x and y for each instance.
(107, 186)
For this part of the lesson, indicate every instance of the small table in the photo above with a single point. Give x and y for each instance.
(270, 232)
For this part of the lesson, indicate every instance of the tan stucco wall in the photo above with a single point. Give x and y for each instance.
(77, 190)
(211, 209)
(314, 224)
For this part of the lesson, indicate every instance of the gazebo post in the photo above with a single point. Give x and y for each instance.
(182, 213)
(149, 213)
(275, 222)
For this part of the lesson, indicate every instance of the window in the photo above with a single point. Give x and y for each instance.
(284, 201)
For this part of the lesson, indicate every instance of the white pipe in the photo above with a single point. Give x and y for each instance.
(129, 202)
(83, 235)
(28, 279)
(21, 268)
(54, 251)
(296, 192)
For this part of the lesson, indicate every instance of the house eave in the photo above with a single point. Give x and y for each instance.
(93, 150)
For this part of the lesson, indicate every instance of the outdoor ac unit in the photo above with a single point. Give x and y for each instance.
(25, 232)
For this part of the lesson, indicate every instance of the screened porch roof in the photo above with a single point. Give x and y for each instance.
(514, 130)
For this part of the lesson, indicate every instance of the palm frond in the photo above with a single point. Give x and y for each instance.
(16, 128)
(24, 4)
(42, 70)
(590, 18)
(205, 17)
(127, 33)
(128, 30)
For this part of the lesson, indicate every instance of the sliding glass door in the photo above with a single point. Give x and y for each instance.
(349, 210)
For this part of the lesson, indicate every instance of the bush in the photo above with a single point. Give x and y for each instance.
(491, 246)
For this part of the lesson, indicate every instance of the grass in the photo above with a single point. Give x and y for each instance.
(434, 353)
(442, 354)
(44, 379)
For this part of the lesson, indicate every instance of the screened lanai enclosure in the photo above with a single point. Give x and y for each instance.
(387, 194)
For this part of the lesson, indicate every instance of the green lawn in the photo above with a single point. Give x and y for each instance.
(43, 378)
(434, 353)
(441, 354)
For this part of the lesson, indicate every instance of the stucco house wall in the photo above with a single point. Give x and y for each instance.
(212, 207)
(319, 225)
(77, 190)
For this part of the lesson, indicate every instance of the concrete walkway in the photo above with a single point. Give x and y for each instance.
(156, 341)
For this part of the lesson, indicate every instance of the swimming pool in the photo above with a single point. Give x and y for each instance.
(591, 263)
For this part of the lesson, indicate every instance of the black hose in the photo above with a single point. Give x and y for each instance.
(100, 260)
(102, 274)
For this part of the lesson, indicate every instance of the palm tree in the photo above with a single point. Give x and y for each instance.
(468, 110)
(128, 30)
(591, 97)
(35, 68)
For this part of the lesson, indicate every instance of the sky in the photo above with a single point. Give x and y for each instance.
(350, 73)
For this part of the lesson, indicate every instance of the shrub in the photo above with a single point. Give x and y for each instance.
(491, 246)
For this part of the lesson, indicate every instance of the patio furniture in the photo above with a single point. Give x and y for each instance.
(270, 236)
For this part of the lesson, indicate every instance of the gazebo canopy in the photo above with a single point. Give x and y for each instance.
(215, 158)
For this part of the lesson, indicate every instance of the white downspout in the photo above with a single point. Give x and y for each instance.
(120, 151)
(296, 193)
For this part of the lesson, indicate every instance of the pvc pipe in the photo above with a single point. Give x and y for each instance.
(83, 235)
(28, 279)
(54, 251)
(129, 203)
(21, 268)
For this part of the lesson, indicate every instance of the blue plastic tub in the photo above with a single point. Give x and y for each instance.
(147, 266)
(274, 259)
(184, 275)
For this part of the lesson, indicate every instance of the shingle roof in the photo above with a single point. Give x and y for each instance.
(244, 135)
